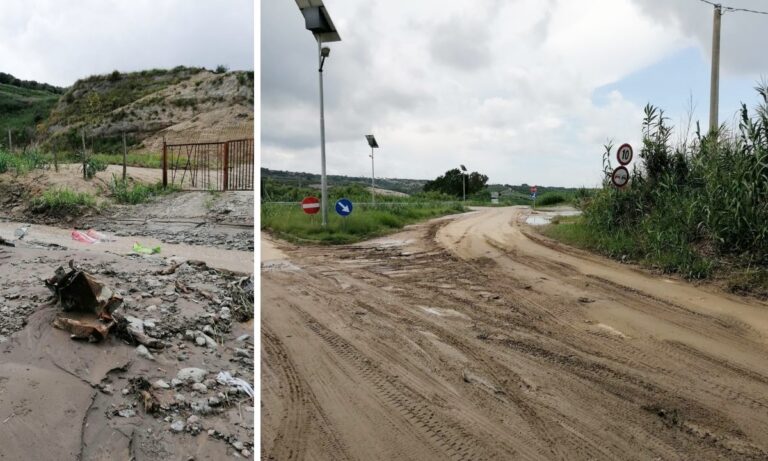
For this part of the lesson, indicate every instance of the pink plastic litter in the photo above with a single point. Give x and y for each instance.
(94, 234)
(81, 237)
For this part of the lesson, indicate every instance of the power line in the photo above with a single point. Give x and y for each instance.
(731, 9)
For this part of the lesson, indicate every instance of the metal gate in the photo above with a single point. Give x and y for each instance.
(216, 166)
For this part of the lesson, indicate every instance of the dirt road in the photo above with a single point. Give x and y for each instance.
(472, 337)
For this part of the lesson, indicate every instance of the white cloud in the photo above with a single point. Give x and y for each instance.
(58, 42)
(505, 87)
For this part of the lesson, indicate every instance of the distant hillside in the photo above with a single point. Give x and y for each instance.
(180, 104)
(407, 186)
(23, 105)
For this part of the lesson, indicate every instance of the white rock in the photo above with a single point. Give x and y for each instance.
(160, 384)
(142, 351)
(191, 374)
(199, 387)
(177, 426)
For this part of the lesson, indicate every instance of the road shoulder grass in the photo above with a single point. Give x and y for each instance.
(726, 274)
(290, 223)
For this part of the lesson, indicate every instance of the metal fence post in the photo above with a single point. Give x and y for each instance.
(226, 166)
(165, 164)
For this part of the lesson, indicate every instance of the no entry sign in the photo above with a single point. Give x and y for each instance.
(624, 154)
(533, 189)
(310, 205)
(620, 176)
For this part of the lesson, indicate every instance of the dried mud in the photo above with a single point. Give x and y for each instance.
(466, 339)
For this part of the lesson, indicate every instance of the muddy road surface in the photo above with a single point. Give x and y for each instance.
(177, 385)
(472, 337)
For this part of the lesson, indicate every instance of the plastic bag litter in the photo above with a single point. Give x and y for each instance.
(22, 231)
(94, 234)
(83, 237)
(225, 378)
(141, 249)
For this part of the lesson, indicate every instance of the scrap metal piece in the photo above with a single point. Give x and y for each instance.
(92, 330)
(77, 290)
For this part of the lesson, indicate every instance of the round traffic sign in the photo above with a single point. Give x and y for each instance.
(624, 154)
(620, 176)
(343, 207)
(310, 205)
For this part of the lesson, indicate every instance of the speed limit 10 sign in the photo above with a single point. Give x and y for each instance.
(624, 154)
(620, 176)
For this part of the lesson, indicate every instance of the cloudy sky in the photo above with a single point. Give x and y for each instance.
(525, 91)
(59, 41)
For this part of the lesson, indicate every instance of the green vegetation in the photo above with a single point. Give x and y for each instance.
(62, 200)
(92, 166)
(287, 220)
(143, 160)
(23, 106)
(135, 192)
(456, 183)
(22, 163)
(699, 209)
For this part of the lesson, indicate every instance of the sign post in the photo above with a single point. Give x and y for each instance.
(310, 206)
(534, 189)
(344, 209)
(620, 176)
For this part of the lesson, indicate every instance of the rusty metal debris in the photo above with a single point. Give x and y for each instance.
(92, 330)
(78, 291)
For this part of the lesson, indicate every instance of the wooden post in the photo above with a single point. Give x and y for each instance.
(85, 167)
(125, 157)
(10, 143)
(226, 166)
(55, 159)
(165, 164)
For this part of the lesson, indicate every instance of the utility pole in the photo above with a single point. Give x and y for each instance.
(715, 76)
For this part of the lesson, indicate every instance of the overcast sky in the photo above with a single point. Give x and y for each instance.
(60, 41)
(523, 91)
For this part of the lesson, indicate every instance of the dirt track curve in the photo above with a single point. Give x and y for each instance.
(472, 337)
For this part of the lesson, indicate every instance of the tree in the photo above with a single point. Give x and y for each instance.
(451, 183)
(221, 69)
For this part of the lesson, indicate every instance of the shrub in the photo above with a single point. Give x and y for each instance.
(62, 200)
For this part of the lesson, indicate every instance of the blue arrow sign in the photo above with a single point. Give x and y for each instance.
(344, 207)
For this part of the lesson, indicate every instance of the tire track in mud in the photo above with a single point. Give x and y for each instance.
(303, 412)
(445, 435)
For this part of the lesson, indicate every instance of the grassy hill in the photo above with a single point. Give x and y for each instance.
(183, 104)
(24, 105)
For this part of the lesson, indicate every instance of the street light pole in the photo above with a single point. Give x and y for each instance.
(373, 181)
(323, 183)
(464, 182)
(318, 21)
(372, 142)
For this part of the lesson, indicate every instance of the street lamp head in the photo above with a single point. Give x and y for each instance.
(371, 141)
(318, 21)
(325, 51)
(463, 168)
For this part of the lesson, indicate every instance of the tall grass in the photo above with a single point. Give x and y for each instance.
(695, 206)
(134, 192)
(366, 221)
(62, 200)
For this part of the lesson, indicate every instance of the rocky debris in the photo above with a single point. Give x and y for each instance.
(142, 351)
(177, 426)
(195, 375)
(162, 314)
